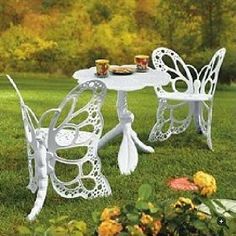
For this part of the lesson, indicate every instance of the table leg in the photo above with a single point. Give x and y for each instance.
(128, 155)
(110, 135)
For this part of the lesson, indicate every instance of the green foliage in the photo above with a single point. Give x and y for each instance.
(65, 35)
(169, 218)
(145, 192)
(99, 11)
(47, 4)
(23, 50)
(56, 227)
(229, 68)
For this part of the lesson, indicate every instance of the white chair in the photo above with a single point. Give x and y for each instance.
(64, 132)
(196, 90)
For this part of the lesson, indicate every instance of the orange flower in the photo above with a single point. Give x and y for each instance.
(146, 219)
(109, 213)
(109, 228)
(156, 227)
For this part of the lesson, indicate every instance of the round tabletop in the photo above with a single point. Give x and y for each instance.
(135, 81)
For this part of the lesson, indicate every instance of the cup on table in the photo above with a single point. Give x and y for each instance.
(141, 62)
(102, 68)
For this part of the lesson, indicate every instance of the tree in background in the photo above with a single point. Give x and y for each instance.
(65, 35)
(218, 20)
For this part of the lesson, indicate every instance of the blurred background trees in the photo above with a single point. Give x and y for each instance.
(61, 36)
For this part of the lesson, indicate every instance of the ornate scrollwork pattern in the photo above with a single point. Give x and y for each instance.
(169, 61)
(175, 126)
(68, 134)
(43, 144)
(199, 88)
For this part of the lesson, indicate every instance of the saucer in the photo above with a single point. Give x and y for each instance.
(122, 70)
(141, 70)
(101, 76)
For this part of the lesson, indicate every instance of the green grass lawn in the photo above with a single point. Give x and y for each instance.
(181, 155)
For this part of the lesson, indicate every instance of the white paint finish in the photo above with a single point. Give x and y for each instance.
(198, 94)
(135, 81)
(128, 155)
(43, 144)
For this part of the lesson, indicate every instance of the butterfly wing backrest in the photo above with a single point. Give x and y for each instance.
(167, 60)
(76, 120)
(77, 127)
(209, 74)
(29, 119)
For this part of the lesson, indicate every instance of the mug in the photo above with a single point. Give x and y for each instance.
(102, 68)
(141, 62)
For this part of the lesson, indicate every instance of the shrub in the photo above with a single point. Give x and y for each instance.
(56, 227)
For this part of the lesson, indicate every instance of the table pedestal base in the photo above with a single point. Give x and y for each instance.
(128, 155)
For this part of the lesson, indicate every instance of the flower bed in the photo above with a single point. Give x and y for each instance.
(181, 217)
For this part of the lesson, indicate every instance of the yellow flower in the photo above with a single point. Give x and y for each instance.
(156, 227)
(205, 182)
(146, 219)
(182, 201)
(201, 215)
(137, 231)
(150, 205)
(109, 228)
(109, 213)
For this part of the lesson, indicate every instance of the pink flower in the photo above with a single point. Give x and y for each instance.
(182, 183)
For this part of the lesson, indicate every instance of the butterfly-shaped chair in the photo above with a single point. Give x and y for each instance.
(64, 132)
(199, 88)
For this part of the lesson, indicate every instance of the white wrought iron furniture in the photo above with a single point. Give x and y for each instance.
(128, 155)
(199, 89)
(65, 132)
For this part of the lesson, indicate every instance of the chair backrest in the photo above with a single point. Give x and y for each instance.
(76, 125)
(30, 121)
(93, 120)
(209, 74)
(78, 117)
(185, 78)
(69, 128)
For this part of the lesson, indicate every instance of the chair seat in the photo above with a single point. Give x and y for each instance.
(65, 137)
(184, 96)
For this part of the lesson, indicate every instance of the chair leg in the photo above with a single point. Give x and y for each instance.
(206, 124)
(196, 115)
(33, 185)
(209, 141)
(42, 177)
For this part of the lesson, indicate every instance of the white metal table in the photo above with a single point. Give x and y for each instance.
(128, 155)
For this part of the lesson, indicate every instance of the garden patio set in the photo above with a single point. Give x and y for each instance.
(67, 131)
